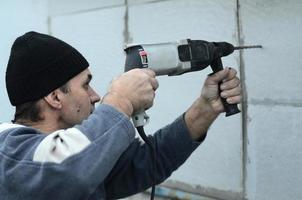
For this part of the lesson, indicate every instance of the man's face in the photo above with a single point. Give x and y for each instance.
(78, 102)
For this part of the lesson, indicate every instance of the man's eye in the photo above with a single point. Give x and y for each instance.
(86, 86)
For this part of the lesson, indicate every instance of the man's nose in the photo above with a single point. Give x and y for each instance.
(94, 97)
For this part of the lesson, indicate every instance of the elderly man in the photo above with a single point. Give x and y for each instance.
(60, 147)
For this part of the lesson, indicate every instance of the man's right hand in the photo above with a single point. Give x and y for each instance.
(132, 91)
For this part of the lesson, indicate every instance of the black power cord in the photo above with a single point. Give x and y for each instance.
(141, 132)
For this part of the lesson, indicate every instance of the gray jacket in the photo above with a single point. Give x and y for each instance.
(99, 159)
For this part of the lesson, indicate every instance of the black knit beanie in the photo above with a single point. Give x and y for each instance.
(39, 64)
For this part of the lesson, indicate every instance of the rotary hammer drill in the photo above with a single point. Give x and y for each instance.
(176, 58)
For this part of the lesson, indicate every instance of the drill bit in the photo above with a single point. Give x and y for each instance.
(248, 47)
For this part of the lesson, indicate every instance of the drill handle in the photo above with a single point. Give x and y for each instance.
(140, 119)
(230, 109)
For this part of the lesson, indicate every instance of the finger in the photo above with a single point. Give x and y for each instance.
(150, 100)
(231, 74)
(230, 84)
(218, 76)
(232, 92)
(154, 83)
(234, 99)
(150, 72)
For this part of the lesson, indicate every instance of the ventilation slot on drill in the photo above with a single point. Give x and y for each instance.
(184, 53)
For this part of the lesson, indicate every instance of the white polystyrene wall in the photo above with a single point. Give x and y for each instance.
(273, 79)
(16, 18)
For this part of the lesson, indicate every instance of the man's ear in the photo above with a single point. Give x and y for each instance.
(54, 99)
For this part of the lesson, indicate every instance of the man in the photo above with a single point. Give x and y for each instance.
(60, 147)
